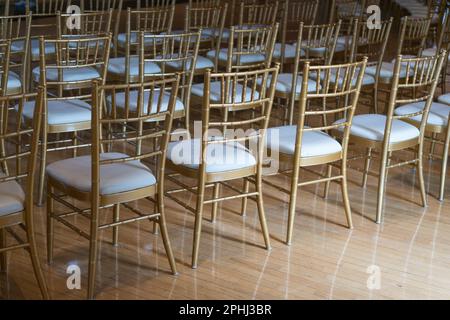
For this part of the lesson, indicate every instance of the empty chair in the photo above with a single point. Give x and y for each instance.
(18, 154)
(221, 154)
(302, 146)
(108, 177)
(392, 132)
(96, 23)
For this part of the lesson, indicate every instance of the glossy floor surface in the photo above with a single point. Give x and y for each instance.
(408, 257)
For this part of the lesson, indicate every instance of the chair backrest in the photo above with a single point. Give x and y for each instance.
(17, 29)
(155, 20)
(100, 5)
(295, 11)
(5, 7)
(90, 23)
(47, 7)
(370, 42)
(204, 3)
(413, 35)
(19, 143)
(74, 57)
(250, 48)
(256, 96)
(175, 54)
(258, 14)
(145, 144)
(420, 86)
(144, 4)
(331, 98)
(211, 20)
(5, 49)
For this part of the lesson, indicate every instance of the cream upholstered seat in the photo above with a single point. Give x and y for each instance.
(445, 98)
(314, 143)
(120, 100)
(244, 59)
(429, 52)
(12, 197)
(220, 157)
(438, 115)
(284, 83)
(14, 82)
(386, 71)
(201, 63)
(289, 51)
(122, 39)
(61, 111)
(216, 88)
(367, 78)
(69, 74)
(116, 66)
(18, 46)
(114, 178)
(372, 126)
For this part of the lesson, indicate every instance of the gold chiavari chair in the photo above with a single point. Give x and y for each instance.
(315, 44)
(5, 49)
(234, 10)
(392, 132)
(19, 148)
(16, 29)
(115, 178)
(67, 83)
(247, 48)
(302, 146)
(152, 20)
(172, 54)
(204, 3)
(106, 5)
(210, 20)
(221, 154)
(371, 43)
(293, 12)
(44, 22)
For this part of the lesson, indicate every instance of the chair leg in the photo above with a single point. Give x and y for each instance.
(444, 165)
(433, 145)
(292, 202)
(42, 168)
(261, 213)
(36, 264)
(245, 200)
(423, 191)
(381, 185)
(75, 144)
(3, 255)
(345, 198)
(375, 99)
(367, 167)
(93, 248)
(165, 237)
(198, 221)
(115, 237)
(327, 184)
(50, 224)
(215, 205)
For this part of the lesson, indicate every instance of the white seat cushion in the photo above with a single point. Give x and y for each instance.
(117, 66)
(445, 98)
(372, 126)
(114, 178)
(438, 115)
(69, 74)
(201, 63)
(220, 156)
(62, 111)
(314, 143)
(245, 59)
(12, 197)
(386, 71)
(18, 46)
(289, 51)
(367, 78)
(284, 83)
(431, 52)
(14, 82)
(133, 100)
(215, 92)
(122, 39)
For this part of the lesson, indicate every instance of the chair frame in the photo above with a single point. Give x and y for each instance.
(256, 14)
(93, 23)
(101, 141)
(205, 180)
(24, 219)
(426, 73)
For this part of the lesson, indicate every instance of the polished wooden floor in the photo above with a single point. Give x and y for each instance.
(325, 261)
